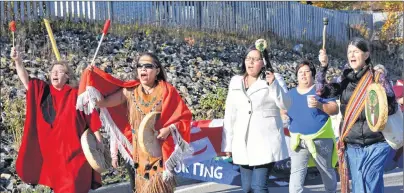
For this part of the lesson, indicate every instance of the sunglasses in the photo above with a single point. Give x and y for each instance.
(147, 66)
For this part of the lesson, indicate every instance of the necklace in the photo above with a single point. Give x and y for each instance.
(148, 91)
(146, 103)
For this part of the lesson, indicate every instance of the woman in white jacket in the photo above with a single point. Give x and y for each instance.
(253, 128)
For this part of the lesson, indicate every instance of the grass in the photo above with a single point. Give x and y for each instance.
(15, 115)
(37, 189)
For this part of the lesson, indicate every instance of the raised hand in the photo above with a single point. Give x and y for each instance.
(270, 77)
(90, 67)
(15, 55)
(323, 58)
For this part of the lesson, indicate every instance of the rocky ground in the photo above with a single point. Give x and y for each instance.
(195, 70)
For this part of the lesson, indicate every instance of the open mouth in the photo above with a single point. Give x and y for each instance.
(353, 61)
(55, 79)
(142, 75)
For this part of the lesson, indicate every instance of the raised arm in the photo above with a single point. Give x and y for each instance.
(21, 71)
(281, 82)
(114, 99)
(319, 80)
(331, 90)
(282, 99)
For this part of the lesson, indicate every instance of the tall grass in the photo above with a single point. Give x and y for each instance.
(14, 115)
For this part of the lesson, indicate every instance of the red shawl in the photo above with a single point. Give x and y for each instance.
(174, 112)
(50, 152)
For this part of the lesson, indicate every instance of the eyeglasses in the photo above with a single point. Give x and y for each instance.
(147, 66)
(252, 59)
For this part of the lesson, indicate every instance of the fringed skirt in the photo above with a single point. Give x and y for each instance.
(155, 184)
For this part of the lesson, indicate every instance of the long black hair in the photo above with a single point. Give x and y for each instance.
(162, 74)
(264, 55)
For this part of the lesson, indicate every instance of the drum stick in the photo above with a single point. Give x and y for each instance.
(325, 22)
(52, 39)
(261, 45)
(104, 31)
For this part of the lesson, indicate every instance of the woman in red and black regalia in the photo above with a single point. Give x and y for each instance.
(150, 93)
(50, 152)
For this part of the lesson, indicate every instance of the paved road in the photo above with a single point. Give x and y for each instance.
(393, 184)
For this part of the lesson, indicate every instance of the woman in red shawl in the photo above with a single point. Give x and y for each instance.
(151, 93)
(50, 152)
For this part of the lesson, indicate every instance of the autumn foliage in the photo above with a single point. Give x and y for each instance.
(394, 10)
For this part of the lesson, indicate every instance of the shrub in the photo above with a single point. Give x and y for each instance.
(214, 103)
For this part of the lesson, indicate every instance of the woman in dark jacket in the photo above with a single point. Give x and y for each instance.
(362, 152)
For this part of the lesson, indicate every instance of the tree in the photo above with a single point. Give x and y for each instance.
(344, 5)
(394, 9)
(383, 6)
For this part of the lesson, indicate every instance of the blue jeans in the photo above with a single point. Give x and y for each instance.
(366, 166)
(394, 159)
(254, 179)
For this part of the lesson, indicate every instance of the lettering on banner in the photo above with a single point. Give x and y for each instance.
(199, 169)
